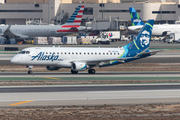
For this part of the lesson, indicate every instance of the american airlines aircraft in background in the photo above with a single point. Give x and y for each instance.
(158, 30)
(80, 59)
(28, 31)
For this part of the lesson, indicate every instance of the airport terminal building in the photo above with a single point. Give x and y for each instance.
(58, 11)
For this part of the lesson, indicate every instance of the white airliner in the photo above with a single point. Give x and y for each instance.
(79, 58)
(158, 30)
(28, 31)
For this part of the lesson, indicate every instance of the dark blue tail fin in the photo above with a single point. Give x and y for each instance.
(136, 20)
(142, 40)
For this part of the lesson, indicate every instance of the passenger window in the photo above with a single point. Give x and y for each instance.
(72, 53)
(107, 53)
(84, 53)
(61, 52)
(95, 53)
(80, 53)
(76, 53)
(50, 53)
(65, 53)
(88, 53)
(118, 53)
(114, 53)
(46, 52)
(69, 53)
(54, 53)
(99, 53)
(111, 53)
(57, 52)
(103, 53)
(91, 53)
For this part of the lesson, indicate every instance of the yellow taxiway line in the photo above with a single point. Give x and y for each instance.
(14, 104)
(52, 78)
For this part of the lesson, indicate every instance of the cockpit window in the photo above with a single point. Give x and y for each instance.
(24, 52)
(27, 52)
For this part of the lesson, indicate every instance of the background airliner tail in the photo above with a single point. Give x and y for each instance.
(142, 40)
(75, 19)
(136, 20)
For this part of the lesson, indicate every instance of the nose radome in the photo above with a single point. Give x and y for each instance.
(14, 60)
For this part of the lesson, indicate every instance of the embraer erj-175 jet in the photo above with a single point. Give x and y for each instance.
(28, 31)
(79, 58)
(158, 30)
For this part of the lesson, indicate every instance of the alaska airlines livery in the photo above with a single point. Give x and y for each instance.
(82, 58)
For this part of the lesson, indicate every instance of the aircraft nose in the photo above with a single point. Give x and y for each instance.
(15, 60)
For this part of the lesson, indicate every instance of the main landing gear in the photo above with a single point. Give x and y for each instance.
(30, 71)
(91, 71)
(74, 72)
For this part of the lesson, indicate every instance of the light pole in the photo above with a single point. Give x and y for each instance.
(48, 12)
(102, 9)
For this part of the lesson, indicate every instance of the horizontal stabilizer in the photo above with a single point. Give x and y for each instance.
(151, 52)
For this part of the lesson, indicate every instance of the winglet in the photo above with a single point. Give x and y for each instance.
(9, 26)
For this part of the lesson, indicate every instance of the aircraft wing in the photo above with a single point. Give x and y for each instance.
(96, 61)
(10, 34)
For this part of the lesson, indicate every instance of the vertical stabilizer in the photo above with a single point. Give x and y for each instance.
(142, 40)
(135, 19)
(75, 19)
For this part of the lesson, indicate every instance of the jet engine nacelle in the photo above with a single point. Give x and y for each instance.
(78, 66)
(52, 68)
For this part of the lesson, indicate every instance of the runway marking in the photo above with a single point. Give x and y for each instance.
(14, 104)
(53, 78)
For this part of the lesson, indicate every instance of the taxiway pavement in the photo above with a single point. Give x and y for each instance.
(110, 74)
(89, 94)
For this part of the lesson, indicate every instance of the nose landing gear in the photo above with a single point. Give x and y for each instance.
(30, 71)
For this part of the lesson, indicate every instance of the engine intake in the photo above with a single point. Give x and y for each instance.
(52, 68)
(78, 66)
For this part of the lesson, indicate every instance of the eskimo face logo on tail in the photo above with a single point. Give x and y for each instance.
(145, 37)
(42, 57)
